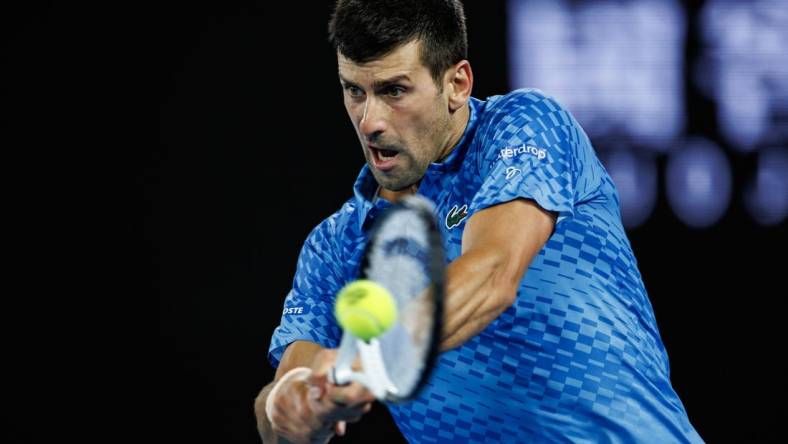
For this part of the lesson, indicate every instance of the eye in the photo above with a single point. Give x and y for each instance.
(395, 91)
(354, 91)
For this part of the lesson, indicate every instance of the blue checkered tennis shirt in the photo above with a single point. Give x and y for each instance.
(578, 357)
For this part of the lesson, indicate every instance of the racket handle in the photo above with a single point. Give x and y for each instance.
(340, 373)
(374, 375)
(332, 377)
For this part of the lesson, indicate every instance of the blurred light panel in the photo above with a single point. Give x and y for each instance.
(616, 65)
(635, 176)
(766, 196)
(744, 68)
(698, 180)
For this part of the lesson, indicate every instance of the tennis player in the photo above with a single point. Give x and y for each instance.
(549, 334)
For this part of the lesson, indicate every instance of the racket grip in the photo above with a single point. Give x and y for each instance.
(332, 377)
(341, 373)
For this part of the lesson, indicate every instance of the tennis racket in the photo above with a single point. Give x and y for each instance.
(404, 255)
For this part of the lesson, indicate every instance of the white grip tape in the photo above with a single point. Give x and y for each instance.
(300, 373)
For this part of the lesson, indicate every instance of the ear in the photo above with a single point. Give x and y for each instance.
(458, 82)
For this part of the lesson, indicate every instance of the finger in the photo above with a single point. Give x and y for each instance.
(354, 419)
(351, 395)
(326, 409)
(315, 392)
(321, 408)
(362, 411)
(293, 416)
(348, 415)
(358, 411)
(317, 379)
(283, 426)
(341, 428)
(323, 362)
(292, 411)
(356, 364)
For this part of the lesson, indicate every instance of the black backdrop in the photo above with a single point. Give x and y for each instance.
(224, 122)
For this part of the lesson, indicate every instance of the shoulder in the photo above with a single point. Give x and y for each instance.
(521, 97)
(525, 121)
(516, 117)
(332, 226)
(523, 115)
(325, 251)
(526, 108)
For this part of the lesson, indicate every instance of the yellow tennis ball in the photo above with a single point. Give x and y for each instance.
(365, 309)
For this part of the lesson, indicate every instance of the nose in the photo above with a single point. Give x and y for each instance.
(373, 121)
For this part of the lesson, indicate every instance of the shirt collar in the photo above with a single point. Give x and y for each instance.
(365, 189)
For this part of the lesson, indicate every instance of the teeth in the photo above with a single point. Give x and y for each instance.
(380, 154)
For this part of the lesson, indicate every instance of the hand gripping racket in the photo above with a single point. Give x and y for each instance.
(404, 255)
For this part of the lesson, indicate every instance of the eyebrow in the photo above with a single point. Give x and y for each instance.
(379, 84)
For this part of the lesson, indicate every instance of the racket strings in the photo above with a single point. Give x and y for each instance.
(404, 270)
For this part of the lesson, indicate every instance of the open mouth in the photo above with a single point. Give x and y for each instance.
(384, 154)
(383, 159)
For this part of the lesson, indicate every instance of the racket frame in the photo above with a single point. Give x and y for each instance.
(373, 375)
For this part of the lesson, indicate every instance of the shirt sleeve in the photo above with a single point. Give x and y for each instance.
(308, 308)
(529, 151)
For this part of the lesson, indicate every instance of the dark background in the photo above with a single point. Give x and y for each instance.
(222, 125)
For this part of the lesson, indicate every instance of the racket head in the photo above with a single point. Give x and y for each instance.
(405, 255)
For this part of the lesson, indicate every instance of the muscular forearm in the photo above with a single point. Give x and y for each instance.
(479, 289)
(484, 280)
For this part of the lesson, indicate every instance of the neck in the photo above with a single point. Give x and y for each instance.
(459, 121)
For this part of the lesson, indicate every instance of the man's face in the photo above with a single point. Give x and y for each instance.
(400, 115)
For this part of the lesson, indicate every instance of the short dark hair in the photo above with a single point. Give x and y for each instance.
(365, 30)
